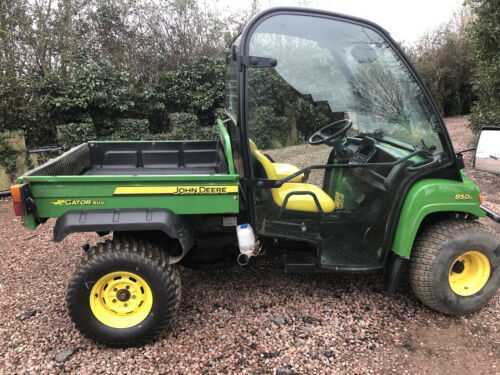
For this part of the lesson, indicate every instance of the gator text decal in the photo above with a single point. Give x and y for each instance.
(77, 202)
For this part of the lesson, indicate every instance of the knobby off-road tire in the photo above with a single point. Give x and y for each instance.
(442, 253)
(125, 293)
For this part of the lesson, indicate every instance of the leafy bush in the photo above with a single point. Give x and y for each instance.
(98, 93)
(197, 88)
(21, 108)
(63, 60)
(72, 134)
(131, 130)
(485, 32)
(8, 153)
(187, 126)
(267, 129)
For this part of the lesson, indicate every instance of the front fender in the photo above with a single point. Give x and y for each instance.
(429, 196)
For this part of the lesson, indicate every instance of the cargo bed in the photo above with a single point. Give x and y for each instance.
(185, 177)
(138, 159)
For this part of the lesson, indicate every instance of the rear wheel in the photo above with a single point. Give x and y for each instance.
(455, 266)
(124, 294)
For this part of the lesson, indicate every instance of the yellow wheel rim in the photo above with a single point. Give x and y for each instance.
(469, 273)
(121, 299)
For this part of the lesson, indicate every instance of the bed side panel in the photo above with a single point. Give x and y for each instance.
(191, 195)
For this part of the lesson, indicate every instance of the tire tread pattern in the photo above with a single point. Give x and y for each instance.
(427, 247)
(137, 250)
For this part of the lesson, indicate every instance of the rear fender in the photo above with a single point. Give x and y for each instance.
(127, 220)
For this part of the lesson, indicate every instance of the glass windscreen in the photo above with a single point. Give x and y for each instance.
(327, 70)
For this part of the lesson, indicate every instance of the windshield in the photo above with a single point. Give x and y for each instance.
(327, 70)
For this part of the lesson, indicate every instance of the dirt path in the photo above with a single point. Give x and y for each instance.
(256, 320)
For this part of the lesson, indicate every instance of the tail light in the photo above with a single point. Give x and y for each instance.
(16, 192)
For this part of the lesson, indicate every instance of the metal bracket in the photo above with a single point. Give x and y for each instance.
(491, 214)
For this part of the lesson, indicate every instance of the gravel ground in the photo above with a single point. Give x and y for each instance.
(256, 320)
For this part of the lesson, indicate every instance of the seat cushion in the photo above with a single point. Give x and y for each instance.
(284, 170)
(304, 203)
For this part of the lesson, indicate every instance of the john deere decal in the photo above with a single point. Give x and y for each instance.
(176, 190)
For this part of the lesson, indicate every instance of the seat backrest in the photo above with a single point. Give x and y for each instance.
(264, 161)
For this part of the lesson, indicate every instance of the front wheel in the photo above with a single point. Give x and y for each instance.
(125, 293)
(454, 268)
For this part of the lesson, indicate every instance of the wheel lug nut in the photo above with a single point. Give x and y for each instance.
(114, 300)
(128, 287)
(133, 296)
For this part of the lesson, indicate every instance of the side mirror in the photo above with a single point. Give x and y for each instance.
(487, 156)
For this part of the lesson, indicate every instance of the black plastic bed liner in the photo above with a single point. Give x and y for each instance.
(96, 171)
(138, 159)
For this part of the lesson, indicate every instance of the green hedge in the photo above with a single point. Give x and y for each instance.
(183, 126)
(95, 93)
(131, 130)
(73, 134)
(187, 126)
(8, 156)
(267, 129)
(486, 42)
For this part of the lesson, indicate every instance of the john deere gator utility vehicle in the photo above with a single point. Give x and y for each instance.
(332, 153)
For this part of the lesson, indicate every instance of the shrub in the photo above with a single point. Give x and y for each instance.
(9, 152)
(196, 88)
(267, 129)
(72, 134)
(186, 126)
(485, 31)
(131, 130)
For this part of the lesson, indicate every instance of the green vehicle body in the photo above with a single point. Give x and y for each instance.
(231, 193)
(57, 195)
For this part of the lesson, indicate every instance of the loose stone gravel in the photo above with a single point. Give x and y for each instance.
(256, 320)
(63, 355)
(27, 314)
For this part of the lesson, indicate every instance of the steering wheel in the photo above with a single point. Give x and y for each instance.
(330, 132)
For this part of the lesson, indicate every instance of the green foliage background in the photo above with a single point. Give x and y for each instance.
(485, 33)
(76, 70)
(97, 100)
(444, 58)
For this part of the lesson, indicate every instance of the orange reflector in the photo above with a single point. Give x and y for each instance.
(15, 192)
(481, 198)
(17, 199)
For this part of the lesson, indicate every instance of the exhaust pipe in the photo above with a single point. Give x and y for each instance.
(243, 259)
